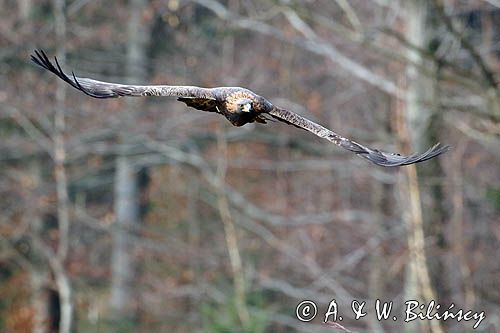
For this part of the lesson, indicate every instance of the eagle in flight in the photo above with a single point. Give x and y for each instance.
(239, 105)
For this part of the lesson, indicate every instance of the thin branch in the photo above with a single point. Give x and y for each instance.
(485, 70)
(317, 46)
(323, 279)
(338, 326)
(465, 76)
(495, 3)
(299, 24)
(312, 267)
(350, 14)
(27, 125)
(491, 142)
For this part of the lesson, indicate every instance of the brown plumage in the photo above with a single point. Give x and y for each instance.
(239, 105)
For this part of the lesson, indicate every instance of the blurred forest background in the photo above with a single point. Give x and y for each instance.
(141, 215)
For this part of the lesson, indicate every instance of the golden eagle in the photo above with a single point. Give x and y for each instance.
(238, 105)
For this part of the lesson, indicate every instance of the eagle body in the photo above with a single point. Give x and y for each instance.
(239, 105)
(230, 102)
(231, 99)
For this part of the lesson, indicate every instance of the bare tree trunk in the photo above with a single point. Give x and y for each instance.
(230, 231)
(418, 283)
(126, 210)
(376, 277)
(59, 150)
(412, 128)
(62, 281)
(231, 235)
(62, 284)
(126, 188)
(38, 272)
(24, 9)
(426, 122)
(39, 301)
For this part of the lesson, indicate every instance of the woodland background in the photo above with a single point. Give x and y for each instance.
(141, 215)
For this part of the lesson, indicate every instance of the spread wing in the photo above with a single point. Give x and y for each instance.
(374, 155)
(205, 96)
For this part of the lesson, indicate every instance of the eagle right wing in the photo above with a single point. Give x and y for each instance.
(100, 89)
(374, 155)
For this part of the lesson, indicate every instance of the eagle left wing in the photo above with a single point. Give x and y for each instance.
(374, 155)
(101, 89)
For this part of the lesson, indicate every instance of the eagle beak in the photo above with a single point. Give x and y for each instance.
(246, 107)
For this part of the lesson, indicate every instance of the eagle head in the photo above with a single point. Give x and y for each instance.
(244, 105)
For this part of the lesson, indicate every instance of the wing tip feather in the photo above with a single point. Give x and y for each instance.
(395, 160)
(41, 59)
